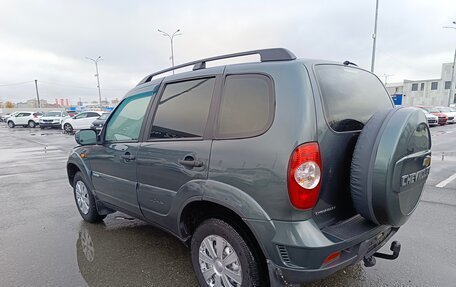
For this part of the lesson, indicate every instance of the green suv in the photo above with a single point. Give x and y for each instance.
(276, 172)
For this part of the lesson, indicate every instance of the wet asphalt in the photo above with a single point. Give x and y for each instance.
(44, 242)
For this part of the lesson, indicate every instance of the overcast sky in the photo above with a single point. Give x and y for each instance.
(49, 40)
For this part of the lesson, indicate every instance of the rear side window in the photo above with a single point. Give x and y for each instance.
(350, 96)
(246, 107)
(183, 109)
(92, 115)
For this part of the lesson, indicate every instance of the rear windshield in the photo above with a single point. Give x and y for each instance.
(350, 96)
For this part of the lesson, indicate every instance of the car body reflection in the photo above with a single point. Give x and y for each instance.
(128, 252)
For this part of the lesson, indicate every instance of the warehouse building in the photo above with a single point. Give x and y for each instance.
(431, 92)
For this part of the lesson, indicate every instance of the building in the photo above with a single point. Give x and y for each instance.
(431, 92)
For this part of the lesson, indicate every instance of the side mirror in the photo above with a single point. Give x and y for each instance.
(86, 137)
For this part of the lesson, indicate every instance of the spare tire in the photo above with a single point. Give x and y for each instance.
(390, 165)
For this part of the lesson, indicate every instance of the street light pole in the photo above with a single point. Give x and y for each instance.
(374, 36)
(450, 95)
(171, 37)
(37, 94)
(98, 77)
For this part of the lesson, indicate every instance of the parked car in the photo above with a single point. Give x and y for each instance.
(432, 120)
(53, 119)
(25, 119)
(448, 113)
(97, 125)
(81, 121)
(7, 116)
(71, 113)
(267, 171)
(442, 117)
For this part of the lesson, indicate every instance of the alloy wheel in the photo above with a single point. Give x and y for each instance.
(82, 197)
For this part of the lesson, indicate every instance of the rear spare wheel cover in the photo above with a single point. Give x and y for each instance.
(390, 165)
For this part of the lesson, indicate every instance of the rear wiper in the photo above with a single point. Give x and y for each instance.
(346, 63)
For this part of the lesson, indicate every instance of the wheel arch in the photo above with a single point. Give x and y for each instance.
(197, 211)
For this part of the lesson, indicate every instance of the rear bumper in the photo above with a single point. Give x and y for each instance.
(296, 251)
(281, 275)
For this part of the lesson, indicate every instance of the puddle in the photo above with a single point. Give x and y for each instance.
(125, 218)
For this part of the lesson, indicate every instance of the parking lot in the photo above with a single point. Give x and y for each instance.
(44, 241)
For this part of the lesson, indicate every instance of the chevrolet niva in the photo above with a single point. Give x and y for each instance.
(276, 172)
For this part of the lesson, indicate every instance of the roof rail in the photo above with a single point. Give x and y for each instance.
(266, 55)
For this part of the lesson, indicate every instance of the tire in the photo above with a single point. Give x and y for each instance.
(85, 202)
(31, 124)
(212, 231)
(390, 165)
(68, 128)
(11, 124)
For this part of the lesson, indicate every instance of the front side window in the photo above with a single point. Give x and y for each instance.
(125, 124)
(246, 108)
(350, 96)
(183, 110)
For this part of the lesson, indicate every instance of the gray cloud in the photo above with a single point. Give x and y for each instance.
(49, 40)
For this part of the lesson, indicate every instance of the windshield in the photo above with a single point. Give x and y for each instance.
(104, 116)
(52, 114)
(443, 109)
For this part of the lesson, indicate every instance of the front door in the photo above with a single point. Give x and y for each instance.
(114, 162)
(177, 149)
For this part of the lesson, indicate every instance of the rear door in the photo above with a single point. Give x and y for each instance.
(77, 120)
(177, 146)
(349, 96)
(114, 162)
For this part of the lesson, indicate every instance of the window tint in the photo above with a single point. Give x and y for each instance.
(246, 106)
(434, 85)
(350, 96)
(183, 109)
(125, 124)
(415, 87)
(81, 116)
(93, 115)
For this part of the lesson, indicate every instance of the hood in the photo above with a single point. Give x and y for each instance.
(432, 116)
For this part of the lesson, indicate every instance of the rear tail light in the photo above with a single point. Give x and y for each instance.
(304, 175)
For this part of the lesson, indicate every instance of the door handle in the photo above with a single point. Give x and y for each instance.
(128, 156)
(190, 162)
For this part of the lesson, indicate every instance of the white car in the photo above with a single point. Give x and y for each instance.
(432, 120)
(9, 116)
(53, 119)
(80, 121)
(25, 119)
(449, 113)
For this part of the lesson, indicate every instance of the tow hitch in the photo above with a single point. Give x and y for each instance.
(395, 247)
